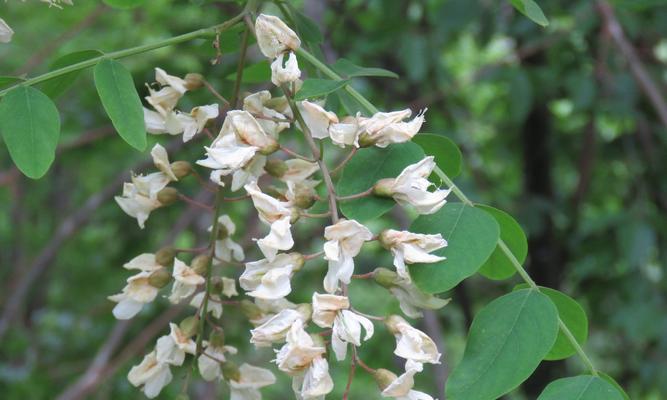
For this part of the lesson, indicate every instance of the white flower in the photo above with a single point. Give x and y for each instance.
(171, 349)
(151, 375)
(161, 161)
(135, 294)
(383, 129)
(315, 383)
(316, 118)
(250, 381)
(344, 241)
(411, 248)
(270, 279)
(274, 36)
(176, 122)
(229, 287)
(165, 99)
(275, 328)
(256, 104)
(285, 71)
(186, 281)
(247, 130)
(250, 173)
(137, 202)
(208, 362)
(226, 249)
(278, 215)
(267, 309)
(332, 311)
(6, 32)
(214, 306)
(226, 155)
(411, 299)
(411, 343)
(345, 133)
(299, 350)
(411, 188)
(298, 170)
(401, 387)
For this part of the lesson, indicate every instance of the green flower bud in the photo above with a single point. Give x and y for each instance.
(165, 256)
(385, 277)
(159, 278)
(384, 378)
(194, 81)
(383, 187)
(231, 371)
(270, 147)
(201, 264)
(276, 168)
(167, 196)
(365, 140)
(181, 169)
(304, 197)
(392, 322)
(189, 326)
(217, 338)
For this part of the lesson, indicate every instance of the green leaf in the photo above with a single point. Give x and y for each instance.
(446, 152)
(615, 384)
(531, 10)
(124, 4)
(498, 266)
(6, 81)
(57, 86)
(572, 315)
(367, 167)
(30, 127)
(256, 73)
(585, 387)
(471, 236)
(121, 101)
(508, 339)
(318, 88)
(350, 104)
(346, 68)
(308, 29)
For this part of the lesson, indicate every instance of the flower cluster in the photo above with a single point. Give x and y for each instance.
(248, 155)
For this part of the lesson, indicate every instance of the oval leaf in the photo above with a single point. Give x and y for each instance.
(30, 127)
(57, 86)
(585, 387)
(572, 315)
(531, 10)
(121, 101)
(367, 167)
(446, 152)
(347, 68)
(498, 266)
(318, 88)
(615, 384)
(508, 339)
(471, 236)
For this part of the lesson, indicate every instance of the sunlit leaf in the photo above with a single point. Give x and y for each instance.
(585, 387)
(446, 152)
(531, 10)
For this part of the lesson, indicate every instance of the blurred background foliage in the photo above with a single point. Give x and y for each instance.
(552, 122)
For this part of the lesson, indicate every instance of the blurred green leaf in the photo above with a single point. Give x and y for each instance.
(585, 387)
(498, 266)
(615, 384)
(531, 10)
(471, 236)
(6, 81)
(121, 101)
(308, 29)
(507, 340)
(57, 86)
(348, 69)
(313, 88)
(30, 127)
(367, 167)
(256, 73)
(124, 4)
(446, 152)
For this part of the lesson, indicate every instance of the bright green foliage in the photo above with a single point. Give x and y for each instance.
(57, 86)
(30, 127)
(531, 10)
(572, 315)
(446, 152)
(124, 4)
(365, 169)
(258, 72)
(498, 266)
(508, 339)
(347, 68)
(318, 88)
(471, 236)
(121, 101)
(585, 387)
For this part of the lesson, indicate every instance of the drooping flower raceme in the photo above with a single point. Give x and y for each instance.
(344, 241)
(411, 248)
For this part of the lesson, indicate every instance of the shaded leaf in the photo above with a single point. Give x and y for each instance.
(348, 69)
(471, 236)
(6, 81)
(318, 88)
(615, 384)
(308, 29)
(508, 339)
(121, 101)
(124, 4)
(30, 127)
(498, 266)
(57, 86)
(585, 387)
(256, 73)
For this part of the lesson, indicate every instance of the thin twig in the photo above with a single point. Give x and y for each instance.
(365, 193)
(295, 154)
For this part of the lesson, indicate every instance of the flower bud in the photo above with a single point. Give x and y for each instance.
(217, 338)
(231, 371)
(167, 196)
(365, 140)
(194, 81)
(250, 310)
(297, 262)
(384, 378)
(200, 264)
(189, 326)
(385, 240)
(391, 322)
(216, 284)
(305, 309)
(270, 147)
(276, 168)
(159, 278)
(165, 256)
(181, 169)
(385, 277)
(383, 187)
(304, 196)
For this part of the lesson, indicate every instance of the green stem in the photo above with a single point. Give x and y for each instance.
(129, 52)
(458, 193)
